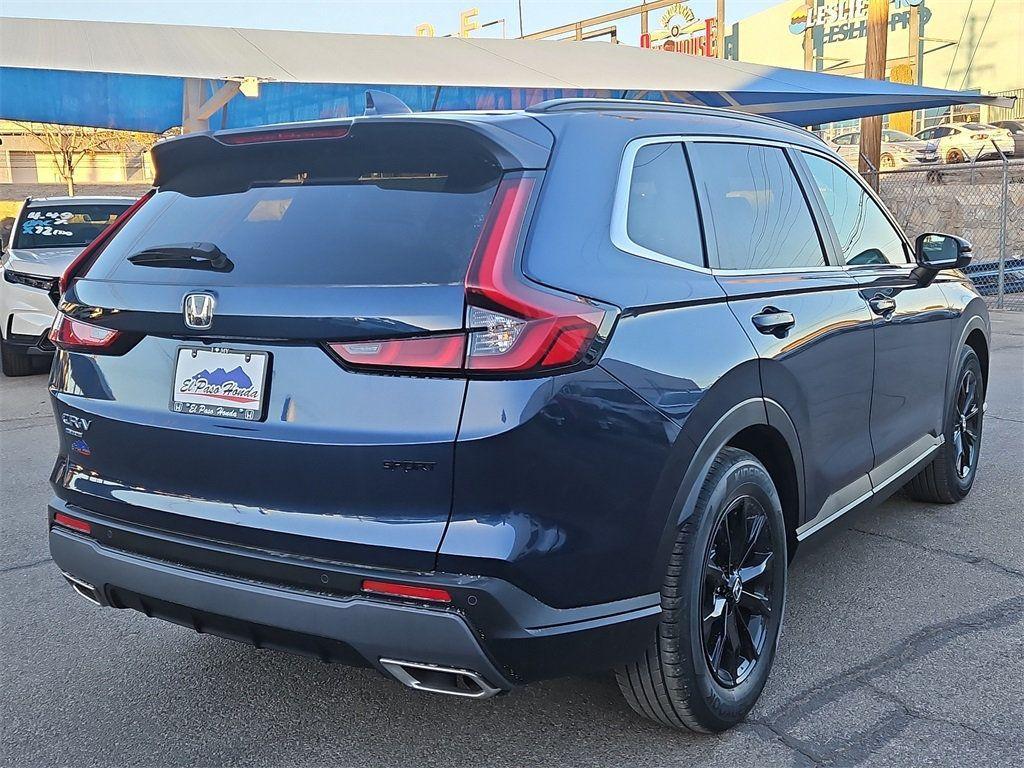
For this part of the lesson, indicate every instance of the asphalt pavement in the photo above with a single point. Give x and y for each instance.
(903, 645)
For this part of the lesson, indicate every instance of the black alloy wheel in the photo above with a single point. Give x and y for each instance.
(736, 599)
(722, 602)
(967, 424)
(949, 477)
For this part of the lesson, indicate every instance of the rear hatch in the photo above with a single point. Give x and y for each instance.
(253, 297)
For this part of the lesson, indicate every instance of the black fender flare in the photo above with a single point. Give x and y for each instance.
(756, 411)
(975, 321)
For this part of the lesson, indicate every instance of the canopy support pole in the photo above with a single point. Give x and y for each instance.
(196, 113)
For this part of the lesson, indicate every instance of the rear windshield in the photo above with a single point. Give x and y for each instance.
(65, 226)
(330, 216)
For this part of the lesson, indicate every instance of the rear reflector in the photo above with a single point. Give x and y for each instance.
(77, 336)
(289, 134)
(72, 522)
(406, 590)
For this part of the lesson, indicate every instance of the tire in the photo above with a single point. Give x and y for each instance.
(887, 163)
(674, 683)
(955, 156)
(14, 363)
(950, 476)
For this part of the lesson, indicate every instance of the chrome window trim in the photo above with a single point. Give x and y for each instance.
(620, 206)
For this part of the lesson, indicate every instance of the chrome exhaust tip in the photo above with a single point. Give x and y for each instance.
(84, 588)
(434, 678)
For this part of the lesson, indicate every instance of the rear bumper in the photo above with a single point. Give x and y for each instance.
(356, 628)
(492, 628)
(30, 345)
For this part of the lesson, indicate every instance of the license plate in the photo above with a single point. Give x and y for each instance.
(220, 382)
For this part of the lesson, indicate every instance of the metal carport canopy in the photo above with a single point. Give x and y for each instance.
(142, 76)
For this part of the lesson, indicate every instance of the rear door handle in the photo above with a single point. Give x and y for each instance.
(772, 321)
(882, 305)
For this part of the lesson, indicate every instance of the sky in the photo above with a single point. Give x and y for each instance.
(368, 16)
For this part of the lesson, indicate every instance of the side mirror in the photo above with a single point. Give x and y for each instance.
(934, 251)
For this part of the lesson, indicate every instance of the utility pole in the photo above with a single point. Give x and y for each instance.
(720, 30)
(874, 69)
(809, 64)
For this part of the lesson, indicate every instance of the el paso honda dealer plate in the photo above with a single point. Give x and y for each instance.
(219, 382)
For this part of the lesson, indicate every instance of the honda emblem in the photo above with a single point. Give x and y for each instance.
(199, 311)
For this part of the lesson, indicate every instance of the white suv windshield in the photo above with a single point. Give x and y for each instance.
(64, 225)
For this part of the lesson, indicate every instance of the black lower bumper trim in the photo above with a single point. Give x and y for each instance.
(299, 620)
(519, 636)
(258, 635)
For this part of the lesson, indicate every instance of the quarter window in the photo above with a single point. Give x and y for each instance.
(865, 234)
(759, 218)
(662, 211)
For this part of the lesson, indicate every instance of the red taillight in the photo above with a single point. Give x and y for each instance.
(511, 325)
(286, 134)
(979, 136)
(77, 336)
(406, 590)
(89, 253)
(514, 326)
(59, 518)
(442, 353)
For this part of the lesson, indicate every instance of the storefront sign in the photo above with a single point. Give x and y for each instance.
(837, 13)
(682, 32)
(467, 23)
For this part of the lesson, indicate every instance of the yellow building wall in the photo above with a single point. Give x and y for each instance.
(968, 45)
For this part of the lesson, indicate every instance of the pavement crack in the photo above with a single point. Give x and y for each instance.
(968, 559)
(917, 714)
(1004, 418)
(804, 752)
(925, 641)
(24, 566)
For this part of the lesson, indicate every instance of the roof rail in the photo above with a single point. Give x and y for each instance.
(639, 105)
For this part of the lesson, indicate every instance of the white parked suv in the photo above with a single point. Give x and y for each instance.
(961, 142)
(47, 235)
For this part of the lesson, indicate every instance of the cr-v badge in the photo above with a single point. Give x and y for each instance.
(199, 311)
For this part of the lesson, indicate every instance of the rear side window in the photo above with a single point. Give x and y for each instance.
(662, 211)
(865, 234)
(345, 214)
(759, 217)
(64, 225)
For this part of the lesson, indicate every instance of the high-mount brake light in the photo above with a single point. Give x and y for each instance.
(285, 134)
(82, 262)
(511, 325)
(77, 336)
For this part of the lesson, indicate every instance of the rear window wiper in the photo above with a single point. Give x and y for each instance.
(184, 256)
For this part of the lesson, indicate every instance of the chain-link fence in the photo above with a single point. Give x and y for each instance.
(980, 201)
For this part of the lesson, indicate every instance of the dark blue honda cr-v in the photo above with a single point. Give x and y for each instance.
(477, 399)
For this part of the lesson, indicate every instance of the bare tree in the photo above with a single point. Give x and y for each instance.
(70, 144)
